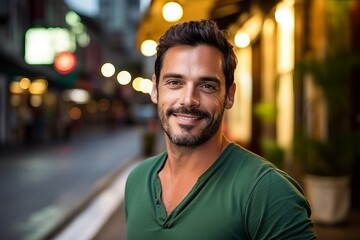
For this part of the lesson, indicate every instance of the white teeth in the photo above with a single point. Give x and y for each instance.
(187, 118)
(190, 119)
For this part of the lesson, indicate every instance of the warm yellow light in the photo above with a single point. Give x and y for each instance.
(25, 83)
(242, 39)
(36, 100)
(284, 15)
(172, 12)
(38, 86)
(136, 83)
(14, 87)
(107, 70)
(75, 113)
(148, 48)
(145, 85)
(239, 117)
(124, 77)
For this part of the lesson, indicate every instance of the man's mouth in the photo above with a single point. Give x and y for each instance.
(187, 116)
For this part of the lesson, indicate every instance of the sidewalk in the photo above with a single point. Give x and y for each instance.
(42, 187)
(100, 213)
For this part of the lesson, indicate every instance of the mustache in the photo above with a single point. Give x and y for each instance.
(190, 111)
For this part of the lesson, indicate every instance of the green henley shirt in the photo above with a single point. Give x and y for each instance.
(241, 196)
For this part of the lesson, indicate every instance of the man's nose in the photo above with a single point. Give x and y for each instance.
(190, 97)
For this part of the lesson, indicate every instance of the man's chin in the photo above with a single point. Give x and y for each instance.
(185, 142)
(187, 128)
(186, 139)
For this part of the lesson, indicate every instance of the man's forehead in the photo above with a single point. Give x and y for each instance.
(199, 55)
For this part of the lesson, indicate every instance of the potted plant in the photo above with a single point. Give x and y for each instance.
(325, 144)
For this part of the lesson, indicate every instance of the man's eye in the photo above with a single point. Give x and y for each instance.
(173, 83)
(208, 87)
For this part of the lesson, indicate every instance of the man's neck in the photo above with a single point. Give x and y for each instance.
(184, 166)
(193, 160)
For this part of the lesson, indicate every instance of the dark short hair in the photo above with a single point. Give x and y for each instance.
(194, 33)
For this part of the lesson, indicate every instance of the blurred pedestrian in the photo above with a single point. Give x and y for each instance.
(204, 186)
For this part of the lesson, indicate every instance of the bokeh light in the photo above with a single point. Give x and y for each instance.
(146, 85)
(148, 48)
(124, 77)
(172, 12)
(36, 100)
(242, 40)
(14, 87)
(38, 86)
(79, 96)
(75, 113)
(136, 83)
(25, 83)
(65, 62)
(107, 70)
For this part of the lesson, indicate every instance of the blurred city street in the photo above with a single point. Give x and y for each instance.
(76, 113)
(39, 188)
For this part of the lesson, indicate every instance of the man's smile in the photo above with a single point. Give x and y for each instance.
(187, 118)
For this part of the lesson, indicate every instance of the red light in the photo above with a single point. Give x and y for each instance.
(65, 62)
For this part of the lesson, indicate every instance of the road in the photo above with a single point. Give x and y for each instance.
(42, 187)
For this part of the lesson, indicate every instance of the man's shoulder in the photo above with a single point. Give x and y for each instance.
(246, 158)
(259, 169)
(246, 164)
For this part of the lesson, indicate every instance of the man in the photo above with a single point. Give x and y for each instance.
(203, 186)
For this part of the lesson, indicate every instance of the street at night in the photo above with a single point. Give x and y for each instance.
(40, 188)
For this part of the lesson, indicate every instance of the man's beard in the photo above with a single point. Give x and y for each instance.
(186, 138)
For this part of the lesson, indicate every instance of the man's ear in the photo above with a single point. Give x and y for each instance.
(230, 96)
(154, 93)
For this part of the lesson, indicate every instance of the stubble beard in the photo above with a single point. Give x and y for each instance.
(186, 138)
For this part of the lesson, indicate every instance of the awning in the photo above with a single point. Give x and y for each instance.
(152, 26)
(224, 12)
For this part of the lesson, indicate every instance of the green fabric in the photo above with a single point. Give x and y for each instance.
(241, 196)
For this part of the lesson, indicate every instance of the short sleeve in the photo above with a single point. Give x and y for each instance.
(277, 209)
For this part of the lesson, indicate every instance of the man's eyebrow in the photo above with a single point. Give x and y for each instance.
(210, 79)
(172, 75)
(202, 79)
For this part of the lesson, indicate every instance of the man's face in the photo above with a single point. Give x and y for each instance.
(191, 94)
